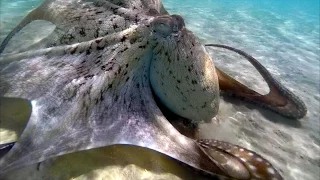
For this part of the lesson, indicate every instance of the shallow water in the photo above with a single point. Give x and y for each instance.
(283, 36)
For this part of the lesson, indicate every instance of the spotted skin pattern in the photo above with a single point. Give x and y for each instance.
(85, 20)
(257, 167)
(90, 84)
(178, 80)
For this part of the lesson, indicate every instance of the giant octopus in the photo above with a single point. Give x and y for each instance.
(105, 75)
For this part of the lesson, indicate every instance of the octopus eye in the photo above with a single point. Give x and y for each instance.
(162, 26)
(167, 25)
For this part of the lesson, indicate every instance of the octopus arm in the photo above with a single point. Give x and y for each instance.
(239, 162)
(82, 20)
(90, 88)
(85, 97)
(279, 99)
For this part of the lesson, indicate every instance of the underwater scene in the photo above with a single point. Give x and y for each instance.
(151, 89)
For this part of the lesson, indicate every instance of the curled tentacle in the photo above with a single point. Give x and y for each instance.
(235, 162)
(279, 99)
(238, 162)
(97, 93)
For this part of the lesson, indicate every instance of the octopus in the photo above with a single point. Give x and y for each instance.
(106, 72)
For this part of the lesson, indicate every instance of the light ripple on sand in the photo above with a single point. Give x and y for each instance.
(286, 43)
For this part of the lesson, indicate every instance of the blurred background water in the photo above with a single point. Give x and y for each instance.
(282, 35)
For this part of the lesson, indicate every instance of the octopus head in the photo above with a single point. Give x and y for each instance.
(182, 73)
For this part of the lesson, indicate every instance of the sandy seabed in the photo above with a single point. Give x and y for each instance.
(287, 44)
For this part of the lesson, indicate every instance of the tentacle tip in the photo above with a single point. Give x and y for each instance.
(238, 162)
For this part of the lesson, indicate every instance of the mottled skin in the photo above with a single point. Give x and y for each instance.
(90, 84)
(177, 79)
(88, 20)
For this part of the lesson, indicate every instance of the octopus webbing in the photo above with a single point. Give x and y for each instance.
(93, 83)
